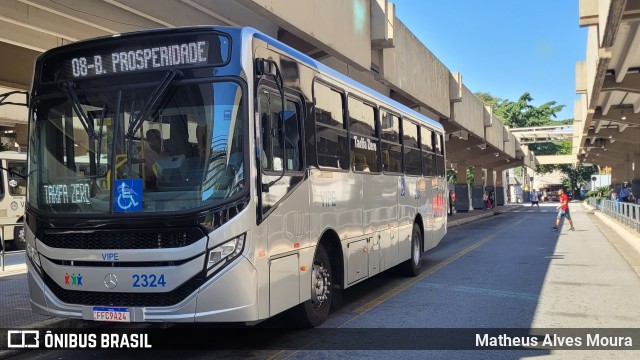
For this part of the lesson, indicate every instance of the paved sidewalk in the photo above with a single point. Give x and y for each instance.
(591, 283)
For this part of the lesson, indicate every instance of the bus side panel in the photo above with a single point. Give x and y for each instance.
(425, 208)
(336, 203)
(407, 202)
(289, 222)
(288, 229)
(439, 211)
(380, 204)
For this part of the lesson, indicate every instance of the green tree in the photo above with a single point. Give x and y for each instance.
(489, 99)
(452, 176)
(521, 113)
(576, 176)
(550, 148)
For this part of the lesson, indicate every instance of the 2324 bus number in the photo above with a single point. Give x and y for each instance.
(151, 280)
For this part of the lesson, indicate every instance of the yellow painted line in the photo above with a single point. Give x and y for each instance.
(393, 292)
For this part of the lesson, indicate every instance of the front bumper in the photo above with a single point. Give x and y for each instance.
(228, 296)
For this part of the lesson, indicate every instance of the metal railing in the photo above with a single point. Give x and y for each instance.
(626, 213)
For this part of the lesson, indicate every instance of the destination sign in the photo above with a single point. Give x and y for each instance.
(131, 54)
(67, 194)
(138, 59)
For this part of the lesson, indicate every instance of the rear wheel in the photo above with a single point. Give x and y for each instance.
(315, 311)
(413, 266)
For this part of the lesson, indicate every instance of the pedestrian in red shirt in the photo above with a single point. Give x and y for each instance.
(564, 210)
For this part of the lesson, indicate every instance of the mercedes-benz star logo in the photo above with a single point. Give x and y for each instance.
(110, 281)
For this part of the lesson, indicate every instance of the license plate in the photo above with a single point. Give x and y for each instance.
(111, 314)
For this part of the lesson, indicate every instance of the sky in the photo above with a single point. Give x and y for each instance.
(504, 47)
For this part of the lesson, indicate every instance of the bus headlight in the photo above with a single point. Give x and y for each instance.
(33, 255)
(225, 252)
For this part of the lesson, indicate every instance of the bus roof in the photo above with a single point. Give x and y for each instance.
(341, 77)
(248, 32)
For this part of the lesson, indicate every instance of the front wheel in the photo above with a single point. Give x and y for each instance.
(413, 266)
(315, 311)
(19, 242)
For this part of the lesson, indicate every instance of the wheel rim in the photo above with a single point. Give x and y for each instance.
(416, 249)
(21, 238)
(320, 284)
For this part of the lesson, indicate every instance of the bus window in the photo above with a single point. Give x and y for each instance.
(391, 149)
(277, 132)
(426, 143)
(364, 136)
(292, 137)
(332, 144)
(439, 158)
(412, 157)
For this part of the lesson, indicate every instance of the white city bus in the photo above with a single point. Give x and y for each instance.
(13, 190)
(225, 177)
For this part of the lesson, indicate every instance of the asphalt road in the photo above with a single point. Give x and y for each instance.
(508, 271)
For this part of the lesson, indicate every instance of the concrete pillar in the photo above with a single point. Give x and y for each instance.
(478, 188)
(500, 194)
(462, 189)
(526, 184)
(628, 171)
(617, 177)
(490, 185)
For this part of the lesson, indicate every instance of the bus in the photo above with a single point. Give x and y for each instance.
(225, 177)
(13, 190)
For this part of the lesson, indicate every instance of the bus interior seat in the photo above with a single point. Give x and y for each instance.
(360, 162)
(178, 142)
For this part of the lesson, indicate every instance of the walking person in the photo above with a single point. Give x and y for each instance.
(624, 193)
(534, 199)
(563, 210)
(452, 202)
(485, 200)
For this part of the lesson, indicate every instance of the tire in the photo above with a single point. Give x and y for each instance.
(18, 242)
(315, 311)
(413, 266)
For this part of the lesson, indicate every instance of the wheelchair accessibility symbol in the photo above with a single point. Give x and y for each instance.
(127, 195)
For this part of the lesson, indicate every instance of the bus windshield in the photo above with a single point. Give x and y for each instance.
(185, 151)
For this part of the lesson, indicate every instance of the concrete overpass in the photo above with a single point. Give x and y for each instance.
(607, 115)
(361, 38)
(537, 134)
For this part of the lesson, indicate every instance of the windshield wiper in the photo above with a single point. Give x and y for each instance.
(99, 151)
(85, 120)
(24, 177)
(135, 124)
(69, 86)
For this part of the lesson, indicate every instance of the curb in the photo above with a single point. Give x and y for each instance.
(14, 270)
(454, 223)
(630, 237)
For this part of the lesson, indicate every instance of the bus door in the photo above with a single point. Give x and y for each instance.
(13, 197)
(284, 197)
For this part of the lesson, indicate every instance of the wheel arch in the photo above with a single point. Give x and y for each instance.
(331, 242)
(418, 220)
